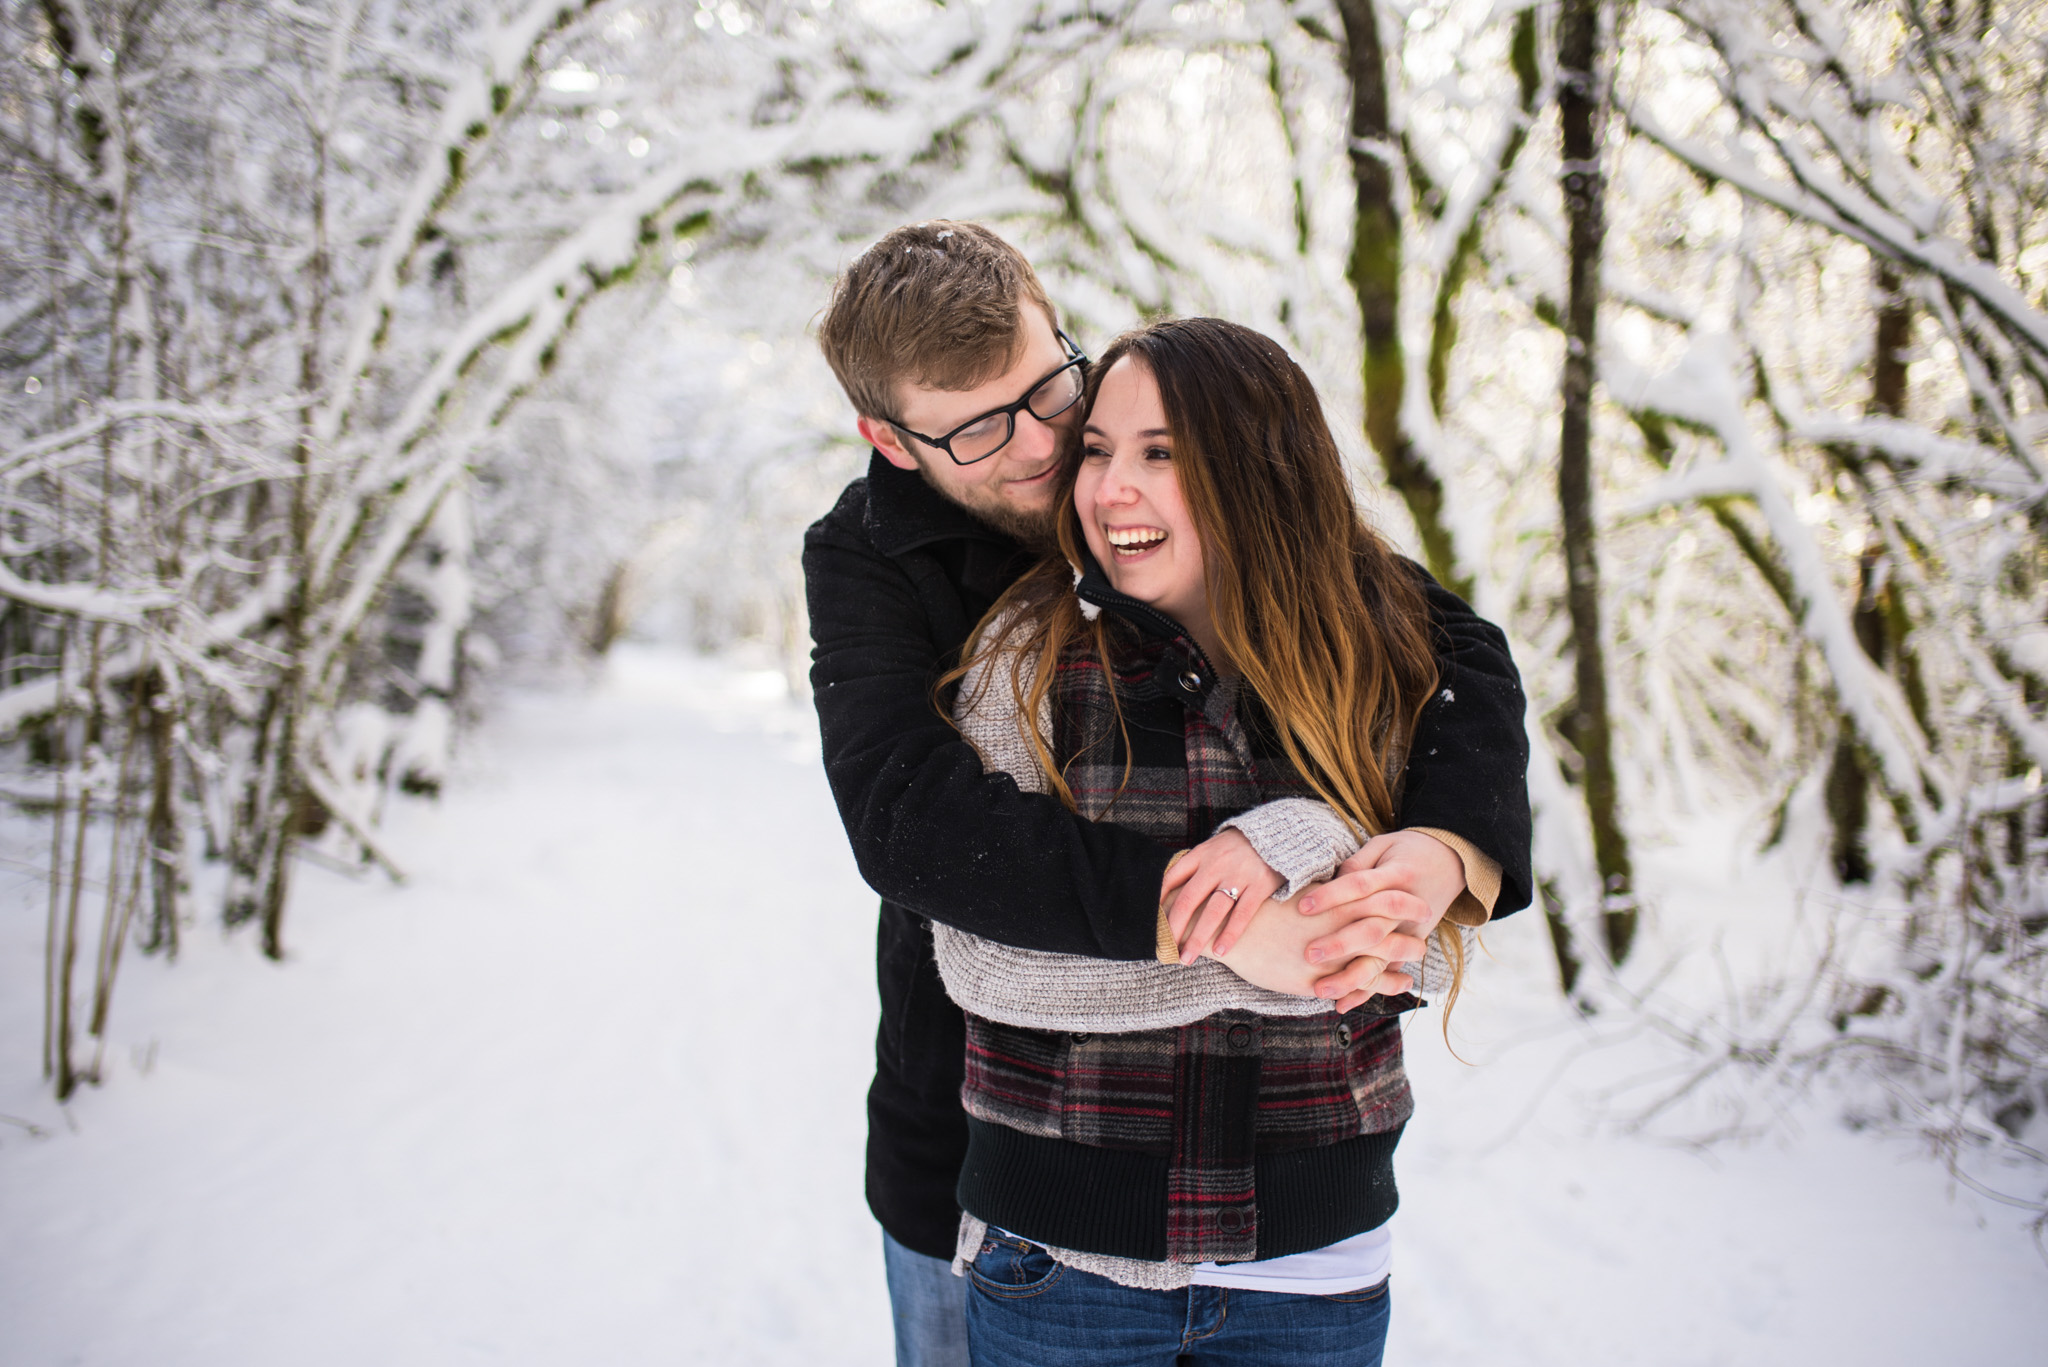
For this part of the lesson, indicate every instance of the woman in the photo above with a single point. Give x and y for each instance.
(1170, 1163)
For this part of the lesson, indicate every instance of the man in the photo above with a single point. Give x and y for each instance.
(951, 354)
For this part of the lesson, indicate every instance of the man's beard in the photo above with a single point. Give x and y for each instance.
(1033, 530)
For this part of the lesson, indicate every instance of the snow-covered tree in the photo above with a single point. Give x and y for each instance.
(279, 282)
(346, 349)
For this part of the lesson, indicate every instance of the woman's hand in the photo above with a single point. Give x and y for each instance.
(1204, 918)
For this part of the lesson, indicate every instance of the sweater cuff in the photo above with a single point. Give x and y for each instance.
(1300, 839)
(1474, 906)
(1165, 948)
(1433, 974)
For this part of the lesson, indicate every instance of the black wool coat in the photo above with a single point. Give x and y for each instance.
(896, 576)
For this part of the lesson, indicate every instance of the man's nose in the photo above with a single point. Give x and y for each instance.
(1035, 438)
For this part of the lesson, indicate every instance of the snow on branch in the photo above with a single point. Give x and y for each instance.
(1982, 386)
(467, 116)
(539, 305)
(1914, 447)
(1820, 197)
(1702, 391)
(116, 607)
(107, 414)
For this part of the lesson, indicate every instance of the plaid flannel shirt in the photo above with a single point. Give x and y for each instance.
(1211, 1096)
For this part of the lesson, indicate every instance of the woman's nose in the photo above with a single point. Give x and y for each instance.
(1115, 489)
(1113, 493)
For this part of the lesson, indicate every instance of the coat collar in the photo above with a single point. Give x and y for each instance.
(1183, 664)
(905, 513)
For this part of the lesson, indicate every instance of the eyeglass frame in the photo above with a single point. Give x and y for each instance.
(1075, 357)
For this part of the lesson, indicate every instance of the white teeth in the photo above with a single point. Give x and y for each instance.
(1131, 537)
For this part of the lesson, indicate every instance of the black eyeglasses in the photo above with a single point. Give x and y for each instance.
(979, 438)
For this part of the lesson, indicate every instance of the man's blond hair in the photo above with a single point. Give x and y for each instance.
(937, 304)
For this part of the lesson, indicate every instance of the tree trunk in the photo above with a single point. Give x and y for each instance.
(1581, 100)
(1375, 274)
(1848, 781)
(1551, 904)
(1849, 777)
(163, 837)
(288, 799)
(1443, 332)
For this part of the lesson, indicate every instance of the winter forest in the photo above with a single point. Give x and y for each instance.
(361, 359)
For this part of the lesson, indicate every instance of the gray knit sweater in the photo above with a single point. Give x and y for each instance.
(1300, 839)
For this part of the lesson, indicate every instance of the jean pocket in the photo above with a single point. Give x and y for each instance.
(1377, 1291)
(1010, 1268)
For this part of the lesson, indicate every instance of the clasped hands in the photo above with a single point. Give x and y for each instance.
(1342, 940)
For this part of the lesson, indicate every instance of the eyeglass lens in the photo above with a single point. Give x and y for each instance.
(1049, 400)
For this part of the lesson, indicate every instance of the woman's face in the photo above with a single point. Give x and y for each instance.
(1128, 498)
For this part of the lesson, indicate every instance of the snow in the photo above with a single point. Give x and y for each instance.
(588, 1088)
(1530, 1234)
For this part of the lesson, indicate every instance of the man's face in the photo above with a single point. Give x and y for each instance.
(1011, 490)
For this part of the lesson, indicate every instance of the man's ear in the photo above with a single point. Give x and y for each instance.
(883, 438)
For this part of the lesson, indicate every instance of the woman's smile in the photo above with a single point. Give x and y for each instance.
(1134, 543)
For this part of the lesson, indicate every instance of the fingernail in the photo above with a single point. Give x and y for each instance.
(1308, 904)
(1315, 956)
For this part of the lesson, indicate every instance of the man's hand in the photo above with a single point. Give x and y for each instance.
(1388, 897)
(1203, 918)
(1273, 950)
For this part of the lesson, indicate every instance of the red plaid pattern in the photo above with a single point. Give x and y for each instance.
(1212, 1095)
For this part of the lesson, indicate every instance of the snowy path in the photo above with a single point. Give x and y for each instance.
(588, 1090)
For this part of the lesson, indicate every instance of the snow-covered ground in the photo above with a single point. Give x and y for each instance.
(587, 1089)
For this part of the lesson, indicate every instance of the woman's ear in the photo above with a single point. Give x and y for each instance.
(883, 438)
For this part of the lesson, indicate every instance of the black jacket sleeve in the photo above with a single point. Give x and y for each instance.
(931, 830)
(1468, 770)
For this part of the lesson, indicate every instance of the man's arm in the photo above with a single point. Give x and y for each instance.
(930, 829)
(1461, 850)
(1463, 821)
(1468, 768)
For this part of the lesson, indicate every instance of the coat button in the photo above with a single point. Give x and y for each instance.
(1240, 1037)
(1080, 1037)
(1230, 1221)
(1343, 1035)
(1191, 681)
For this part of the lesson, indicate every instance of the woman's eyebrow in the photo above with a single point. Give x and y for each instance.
(1148, 432)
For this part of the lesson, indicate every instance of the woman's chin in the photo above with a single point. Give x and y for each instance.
(1148, 589)
(1128, 581)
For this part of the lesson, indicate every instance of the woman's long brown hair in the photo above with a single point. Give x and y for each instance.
(1327, 627)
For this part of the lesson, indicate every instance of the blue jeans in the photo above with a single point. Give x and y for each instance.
(928, 1304)
(1025, 1310)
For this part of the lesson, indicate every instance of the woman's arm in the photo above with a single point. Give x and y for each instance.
(1288, 843)
(1069, 992)
(1267, 971)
